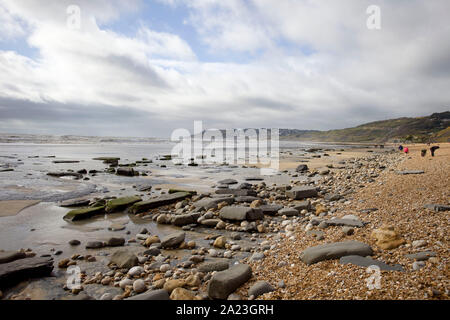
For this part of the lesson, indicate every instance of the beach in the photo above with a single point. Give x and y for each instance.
(184, 227)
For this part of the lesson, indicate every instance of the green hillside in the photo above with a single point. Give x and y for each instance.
(421, 129)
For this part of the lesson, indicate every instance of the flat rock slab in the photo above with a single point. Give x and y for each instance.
(172, 240)
(437, 207)
(75, 203)
(410, 172)
(270, 209)
(84, 213)
(259, 288)
(184, 219)
(160, 294)
(223, 283)
(16, 271)
(163, 200)
(9, 256)
(227, 181)
(421, 256)
(209, 266)
(211, 203)
(334, 251)
(366, 262)
(124, 259)
(253, 178)
(239, 213)
(345, 222)
(248, 199)
(237, 192)
(120, 204)
(299, 193)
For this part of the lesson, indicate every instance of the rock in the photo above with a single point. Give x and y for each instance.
(348, 231)
(212, 203)
(334, 251)
(63, 174)
(115, 242)
(135, 271)
(124, 259)
(10, 256)
(366, 262)
(94, 245)
(249, 199)
(240, 213)
(302, 205)
(153, 252)
(182, 294)
(417, 265)
(234, 296)
(120, 204)
(437, 207)
(220, 242)
(289, 212)
(160, 294)
(259, 288)
(332, 197)
(139, 286)
(237, 192)
(270, 209)
(345, 222)
(419, 243)
(421, 256)
(211, 223)
(16, 271)
(74, 203)
(74, 242)
(223, 283)
(227, 181)
(302, 168)
(257, 256)
(184, 219)
(299, 193)
(410, 172)
(172, 240)
(125, 171)
(158, 202)
(85, 213)
(116, 227)
(151, 240)
(107, 296)
(125, 282)
(209, 266)
(172, 284)
(387, 238)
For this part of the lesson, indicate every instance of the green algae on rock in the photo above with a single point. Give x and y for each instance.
(121, 203)
(84, 213)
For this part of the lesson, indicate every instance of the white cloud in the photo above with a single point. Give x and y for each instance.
(309, 64)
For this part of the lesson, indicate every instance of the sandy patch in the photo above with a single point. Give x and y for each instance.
(13, 207)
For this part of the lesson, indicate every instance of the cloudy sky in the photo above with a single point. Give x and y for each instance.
(145, 68)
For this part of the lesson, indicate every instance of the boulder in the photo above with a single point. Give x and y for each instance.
(85, 213)
(16, 271)
(9, 256)
(121, 203)
(387, 238)
(124, 259)
(270, 209)
(172, 240)
(366, 262)
(163, 200)
(299, 193)
(217, 265)
(240, 213)
(223, 283)
(259, 288)
(160, 294)
(125, 171)
(115, 242)
(334, 251)
(211, 203)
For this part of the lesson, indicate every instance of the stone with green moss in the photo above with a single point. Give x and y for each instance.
(121, 203)
(84, 213)
(158, 202)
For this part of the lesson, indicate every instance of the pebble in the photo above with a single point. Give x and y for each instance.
(139, 286)
(136, 271)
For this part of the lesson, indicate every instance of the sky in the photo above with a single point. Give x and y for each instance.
(145, 68)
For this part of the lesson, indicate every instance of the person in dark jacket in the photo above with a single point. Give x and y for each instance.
(433, 149)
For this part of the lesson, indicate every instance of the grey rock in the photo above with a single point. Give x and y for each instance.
(240, 213)
(184, 219)
(173, 240)
(290, 212)
(345, 222)
(223, 283)
(227, 181)
(270, 209)
(303, 205)
(332, 197)
(211, 203)
(417, 265)
(9, 256)
(237, 192)
(248, 199)
(302, 168)
(259, 288)
(209, 266)
(299, 193)
(115, 242)
(160, 294)
(405, 172)
(437, 207)
(421, 256)
(94, 245)
(16, 271)
(124, 259)
(334, 251)
(257, 256)
(74, 242)
(366, 262)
